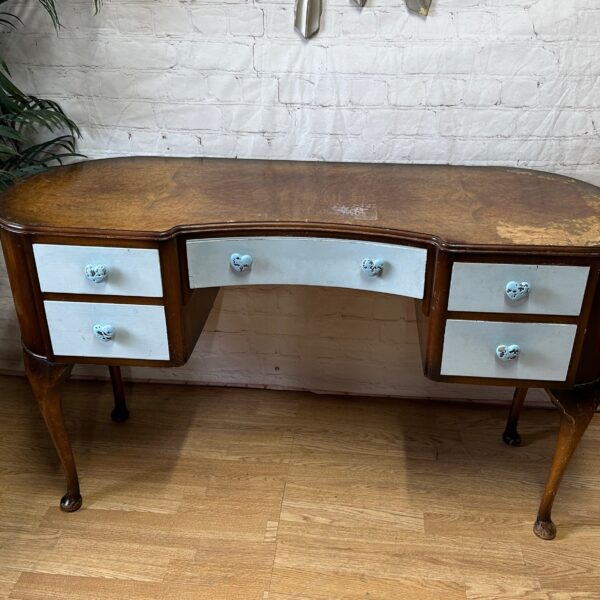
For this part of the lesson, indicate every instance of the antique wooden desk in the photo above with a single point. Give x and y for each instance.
(117, 262)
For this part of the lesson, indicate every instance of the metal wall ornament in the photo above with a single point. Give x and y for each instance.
(307, 14)
(420, 7)
(307, 17)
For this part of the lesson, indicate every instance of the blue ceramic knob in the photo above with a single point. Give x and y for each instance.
(240, 262)
(373, 267)
(508, 352)
(517, 291)
(104, 333)
(96, 273)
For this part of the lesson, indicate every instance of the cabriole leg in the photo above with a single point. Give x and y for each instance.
(511, 435)
(119, 412)
(577, 407)
(45, 378)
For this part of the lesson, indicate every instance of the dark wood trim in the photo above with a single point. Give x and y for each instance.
(496, 381)
(292, 228)
(101, 241)
(436, 325)
(102, 299)
(115, 361)
(512, 317)
(22, 283)
(585, 317)
(44, 331)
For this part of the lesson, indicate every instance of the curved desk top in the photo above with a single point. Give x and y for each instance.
(459, 207)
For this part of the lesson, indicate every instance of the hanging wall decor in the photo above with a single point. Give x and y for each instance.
(307, 17)
(419, 6)
(307, 14)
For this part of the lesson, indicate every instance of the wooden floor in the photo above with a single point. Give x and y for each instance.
(218, 494)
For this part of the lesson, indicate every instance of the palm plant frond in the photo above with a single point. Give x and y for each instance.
(9, 20)
(23, 116)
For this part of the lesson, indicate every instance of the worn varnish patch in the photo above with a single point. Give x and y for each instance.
(367, 212)
(583, 232)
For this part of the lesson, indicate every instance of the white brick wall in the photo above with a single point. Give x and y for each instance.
(511, 82)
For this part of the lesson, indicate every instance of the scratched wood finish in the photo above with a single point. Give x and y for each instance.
(214, 494)
(463, 206)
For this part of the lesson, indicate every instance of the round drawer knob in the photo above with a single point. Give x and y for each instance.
(96, 273)
(240, 262)
(517, 291)
(508, 352)
(373, 267)
(104, 332)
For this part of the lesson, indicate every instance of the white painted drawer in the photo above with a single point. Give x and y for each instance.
(307, 261)
(481, 287)
(131, 271)
(140, 331)
(470, 349)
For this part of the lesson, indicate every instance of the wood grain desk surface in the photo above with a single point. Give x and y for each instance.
(462, 207)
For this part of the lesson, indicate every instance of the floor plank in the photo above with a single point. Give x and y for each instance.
(227, 494)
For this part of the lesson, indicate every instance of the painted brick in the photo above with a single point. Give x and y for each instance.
(210, 20)
(215, 55)
(408, 91)
(516, 59)
(246, 22)
(289, 57)
(188, 117)
(553, 21)
(366, 59)
(356, 23)
(171, 20)
(472, 24)
(519, 92)
(515, 24)
(141, 55)
(478, 122)
(588, 25)
(446, 58)
(135, 23)
(259, 90)
(257, 118)
(483, 91)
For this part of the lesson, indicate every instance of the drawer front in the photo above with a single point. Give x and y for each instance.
(553, 289)
(545, 349)
(308, 261)
(129, 271)
(137, 331)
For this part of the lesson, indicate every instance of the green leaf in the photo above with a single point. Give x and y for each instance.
(7, 132)
(23, 115)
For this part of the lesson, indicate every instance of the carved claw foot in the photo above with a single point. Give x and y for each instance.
(545, 530)
(119, 414)
(71, 502)
(511, 438)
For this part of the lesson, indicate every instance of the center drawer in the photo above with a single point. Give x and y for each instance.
(307, 261)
